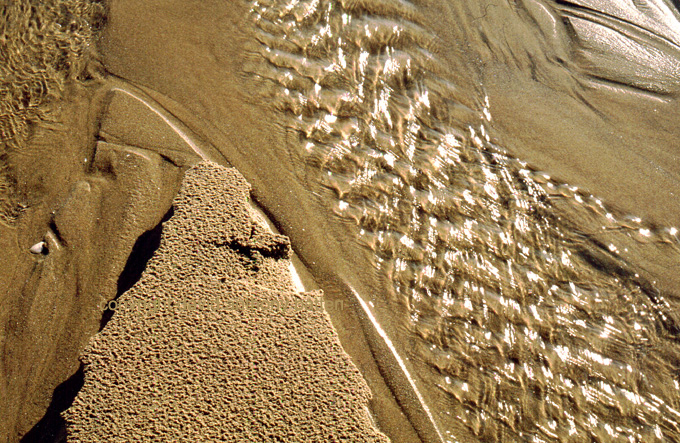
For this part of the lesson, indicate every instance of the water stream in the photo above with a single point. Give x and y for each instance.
(532, 315)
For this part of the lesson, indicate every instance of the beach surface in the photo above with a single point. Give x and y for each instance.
(487, 194)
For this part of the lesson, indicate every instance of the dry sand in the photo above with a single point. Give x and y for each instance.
(213, 344)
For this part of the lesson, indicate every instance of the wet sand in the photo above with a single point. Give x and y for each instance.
(181, 82)
(214, 343)
(89, 212)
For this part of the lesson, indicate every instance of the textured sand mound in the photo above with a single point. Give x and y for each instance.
(213, 343)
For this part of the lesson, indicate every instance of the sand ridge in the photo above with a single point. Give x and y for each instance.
(213, 344)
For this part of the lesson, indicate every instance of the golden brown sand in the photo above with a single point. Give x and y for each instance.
(213, 344)
(91, 172)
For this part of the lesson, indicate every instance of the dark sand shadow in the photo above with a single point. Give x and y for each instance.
(52, 427)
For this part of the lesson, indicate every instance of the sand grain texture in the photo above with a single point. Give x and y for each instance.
(213, 344)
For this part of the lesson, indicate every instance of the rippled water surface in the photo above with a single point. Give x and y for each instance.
(527, 320)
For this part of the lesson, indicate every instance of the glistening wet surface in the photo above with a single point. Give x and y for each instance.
(497, 181)
(523, 307)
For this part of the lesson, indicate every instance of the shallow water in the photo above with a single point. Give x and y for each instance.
(534, 310)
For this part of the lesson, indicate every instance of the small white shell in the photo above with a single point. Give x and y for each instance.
(38, 248)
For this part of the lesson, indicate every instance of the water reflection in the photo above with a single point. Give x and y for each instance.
(526, 316)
